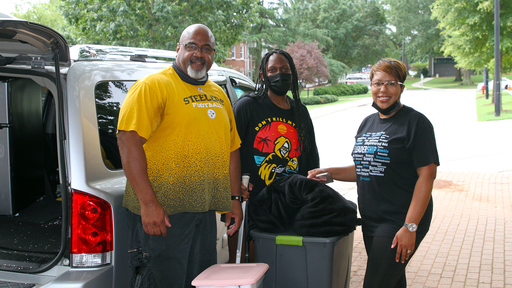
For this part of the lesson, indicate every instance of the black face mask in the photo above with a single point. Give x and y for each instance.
(280, 83)
(388, 111)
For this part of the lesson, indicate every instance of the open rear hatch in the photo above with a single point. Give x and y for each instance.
(33, 196)
(26, 43)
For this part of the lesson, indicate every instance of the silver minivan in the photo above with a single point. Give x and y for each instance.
(61, 179)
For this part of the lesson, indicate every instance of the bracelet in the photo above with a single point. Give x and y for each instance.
(237, 198)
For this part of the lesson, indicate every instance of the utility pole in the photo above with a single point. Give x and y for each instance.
(403, 50)
(497, 60)
(486, 82)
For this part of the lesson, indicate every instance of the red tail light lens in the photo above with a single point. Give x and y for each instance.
(91, 224)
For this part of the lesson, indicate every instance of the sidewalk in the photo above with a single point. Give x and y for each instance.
(468, 244)
(419, 84)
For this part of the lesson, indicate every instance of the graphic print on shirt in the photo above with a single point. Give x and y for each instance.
(371, 155)
(277, 143)
(204, 101)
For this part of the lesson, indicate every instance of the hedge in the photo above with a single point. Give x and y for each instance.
(323, 99)
(341, 90)
(311, 100)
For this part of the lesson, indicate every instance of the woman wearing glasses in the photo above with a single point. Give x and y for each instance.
(395, 164)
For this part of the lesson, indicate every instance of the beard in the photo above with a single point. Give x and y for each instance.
(196, 74)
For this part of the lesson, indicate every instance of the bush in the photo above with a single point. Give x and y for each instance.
(324, 99)
(418, 67)
(360, 88)
(322, 90)
(424, 72)
(311, 100)
(341, 90)
(350, 90)
(328, 98)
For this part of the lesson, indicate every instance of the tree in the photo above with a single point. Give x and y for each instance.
(300, 19)
(48, 14)
(158, 23)
(356, 29)
(309, 61)
(413, 27)
(266, 32)
(337, 69)
(468, 28)
(418, 66)
(350, 33)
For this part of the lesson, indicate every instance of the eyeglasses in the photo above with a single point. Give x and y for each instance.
(193, 47)
(391, 85)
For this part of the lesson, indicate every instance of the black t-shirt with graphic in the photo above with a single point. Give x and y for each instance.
(386, 154)
(270, 144)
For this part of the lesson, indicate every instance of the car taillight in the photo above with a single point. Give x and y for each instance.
(91, 230)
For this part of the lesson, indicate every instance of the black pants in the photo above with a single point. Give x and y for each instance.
(382, 270)
(175, 260)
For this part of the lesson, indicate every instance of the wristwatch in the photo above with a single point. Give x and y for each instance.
(237, 198)
(411, 226)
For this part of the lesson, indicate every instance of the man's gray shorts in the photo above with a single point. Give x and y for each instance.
(176, 259)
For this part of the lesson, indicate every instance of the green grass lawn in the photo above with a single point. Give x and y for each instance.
(448, 83)
(485, 109)
(444, 83)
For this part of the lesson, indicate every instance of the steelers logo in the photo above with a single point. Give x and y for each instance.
(211, 113)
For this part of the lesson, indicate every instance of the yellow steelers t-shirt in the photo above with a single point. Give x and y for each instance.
(190, 132)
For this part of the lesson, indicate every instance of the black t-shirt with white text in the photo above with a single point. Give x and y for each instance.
(386, 154)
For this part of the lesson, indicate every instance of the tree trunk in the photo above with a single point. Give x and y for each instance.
(256, 53)
(467, 77)
(406, 63)
(458, 75)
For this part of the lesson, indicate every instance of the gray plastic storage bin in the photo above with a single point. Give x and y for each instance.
(297, 262)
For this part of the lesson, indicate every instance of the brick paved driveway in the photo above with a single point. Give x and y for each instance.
(469, 243)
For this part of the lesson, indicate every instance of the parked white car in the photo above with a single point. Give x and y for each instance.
(505, 83)
(61, 180)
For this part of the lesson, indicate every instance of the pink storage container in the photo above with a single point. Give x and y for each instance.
(232, 276)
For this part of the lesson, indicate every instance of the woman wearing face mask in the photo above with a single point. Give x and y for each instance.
(395, 164)
(277, 133)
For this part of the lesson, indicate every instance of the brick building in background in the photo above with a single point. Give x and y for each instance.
(240, 60)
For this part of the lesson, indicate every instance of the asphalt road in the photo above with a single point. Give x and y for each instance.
(464, 144)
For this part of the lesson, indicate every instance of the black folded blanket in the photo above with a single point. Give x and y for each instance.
(304, 206)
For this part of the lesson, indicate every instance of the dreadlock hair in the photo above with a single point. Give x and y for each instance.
(261, 91)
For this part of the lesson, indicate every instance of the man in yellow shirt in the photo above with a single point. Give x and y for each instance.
(179, 148)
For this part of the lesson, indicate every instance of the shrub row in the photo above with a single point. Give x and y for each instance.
(341, 90)
(323, 99)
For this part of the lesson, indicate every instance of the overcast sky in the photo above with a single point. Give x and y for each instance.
(8, 6)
